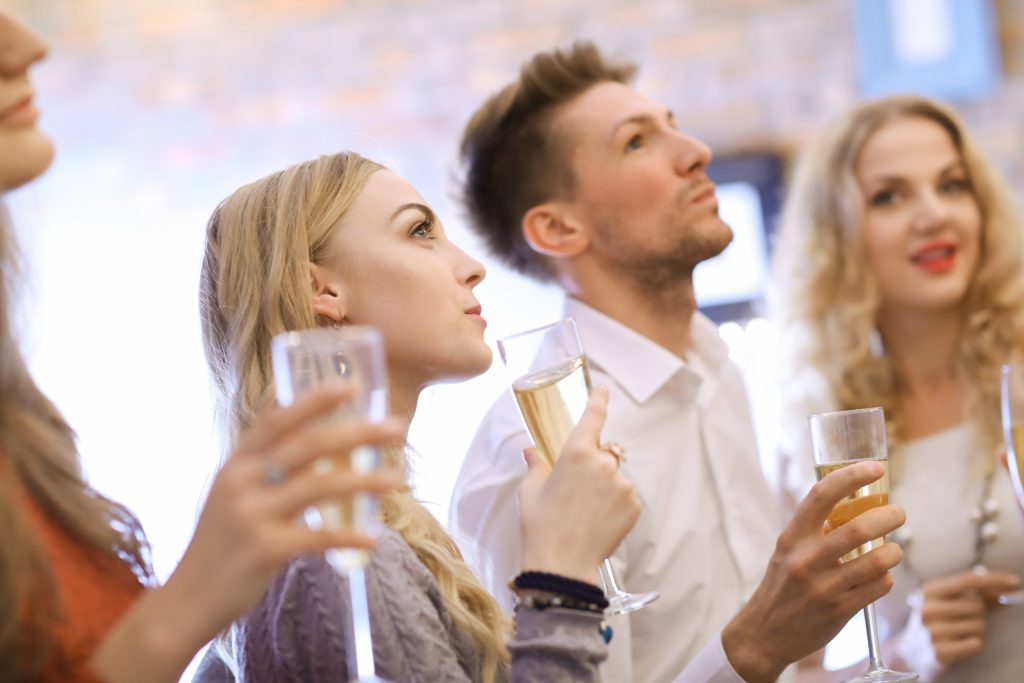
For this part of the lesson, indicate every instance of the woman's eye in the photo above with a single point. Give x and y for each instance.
(955, 186)
(423, 229)
(635, 142)
(883, 198)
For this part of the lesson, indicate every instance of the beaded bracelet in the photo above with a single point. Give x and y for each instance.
(543, 602)
(579, 591)
(541, 590)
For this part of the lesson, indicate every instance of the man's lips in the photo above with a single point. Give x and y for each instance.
(704, 192)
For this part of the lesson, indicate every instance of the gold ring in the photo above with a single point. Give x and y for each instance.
(616, 450)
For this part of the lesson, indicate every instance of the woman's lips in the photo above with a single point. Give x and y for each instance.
(935, 258)
(475, 313)
(22, 113)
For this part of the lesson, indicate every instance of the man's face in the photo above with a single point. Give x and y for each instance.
(640, 185)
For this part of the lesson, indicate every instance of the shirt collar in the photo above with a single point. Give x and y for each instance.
(638, 364)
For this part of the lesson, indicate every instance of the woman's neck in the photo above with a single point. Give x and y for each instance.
(923, 347)
(402, 399)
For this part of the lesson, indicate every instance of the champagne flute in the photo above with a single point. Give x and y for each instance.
(312, 358)
(839, 440)
(551, 384)
(1011, 390)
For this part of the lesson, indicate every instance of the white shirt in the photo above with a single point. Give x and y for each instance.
(709, 519)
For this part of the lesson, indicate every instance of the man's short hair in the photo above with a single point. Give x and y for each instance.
(517, 158)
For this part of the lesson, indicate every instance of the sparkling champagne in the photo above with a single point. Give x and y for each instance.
(358, 511)
(863, 499)
(552, 402)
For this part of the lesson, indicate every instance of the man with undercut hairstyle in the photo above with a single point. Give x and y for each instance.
(574, 177)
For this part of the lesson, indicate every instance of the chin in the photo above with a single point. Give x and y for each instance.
(468, 365)
(26, 156)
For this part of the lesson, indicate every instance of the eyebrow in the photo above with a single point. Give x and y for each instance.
(640, 119)
(958, 165)
(426, 210)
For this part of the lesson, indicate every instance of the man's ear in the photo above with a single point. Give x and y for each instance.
(328, 296)
(552, 229)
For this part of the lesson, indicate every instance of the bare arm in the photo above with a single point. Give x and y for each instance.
(245, 534)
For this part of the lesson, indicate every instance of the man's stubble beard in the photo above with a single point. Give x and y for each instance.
(663, 275)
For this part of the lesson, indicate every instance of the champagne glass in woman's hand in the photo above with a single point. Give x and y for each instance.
(839, 440)
(551, 383)
(313, 358)
(1012, 397)
(246, 533)
(558, 506)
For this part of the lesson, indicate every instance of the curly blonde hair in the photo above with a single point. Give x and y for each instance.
(827, 301)
(255, 284)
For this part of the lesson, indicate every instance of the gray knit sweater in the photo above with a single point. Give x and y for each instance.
(295, 633)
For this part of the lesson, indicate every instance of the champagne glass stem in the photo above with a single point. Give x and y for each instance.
(611, 585)
(874, 659)
(358, 639)
(361, 623)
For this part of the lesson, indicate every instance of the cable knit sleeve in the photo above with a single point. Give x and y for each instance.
(297, 632)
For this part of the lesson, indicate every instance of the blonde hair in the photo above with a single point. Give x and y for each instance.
(38, 457)
(828, 301)
(255, 283)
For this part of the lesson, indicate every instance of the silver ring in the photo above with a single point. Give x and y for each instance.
(616, 450)
(274, 474)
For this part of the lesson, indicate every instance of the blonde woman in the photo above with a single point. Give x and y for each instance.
(900, 281)
(77, 597)
(340, 240)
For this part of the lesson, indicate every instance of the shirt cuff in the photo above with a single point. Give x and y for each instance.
(710, 666)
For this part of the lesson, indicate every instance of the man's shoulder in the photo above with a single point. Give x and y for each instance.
(493, 461)
(500, 424)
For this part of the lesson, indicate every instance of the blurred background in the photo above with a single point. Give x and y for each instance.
(160, 108)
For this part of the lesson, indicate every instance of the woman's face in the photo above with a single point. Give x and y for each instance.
(922, 222)
(25, 151)
(392, 267)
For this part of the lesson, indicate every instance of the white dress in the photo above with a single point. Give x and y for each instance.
(939, 485)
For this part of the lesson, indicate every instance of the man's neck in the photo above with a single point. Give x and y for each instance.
(665, 317)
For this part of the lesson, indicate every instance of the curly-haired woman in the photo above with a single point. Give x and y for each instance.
(900, 283)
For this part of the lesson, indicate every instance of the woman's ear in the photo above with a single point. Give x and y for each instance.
(328, 298)
(551, 229)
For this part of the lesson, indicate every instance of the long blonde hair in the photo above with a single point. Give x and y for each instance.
(828, 301)
(255, 283)
(38, 456)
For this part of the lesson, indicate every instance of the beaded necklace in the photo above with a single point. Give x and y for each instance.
(986, 530)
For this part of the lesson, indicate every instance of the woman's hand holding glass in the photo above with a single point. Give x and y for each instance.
(248, 530)
(249, 526)
(575, 514)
